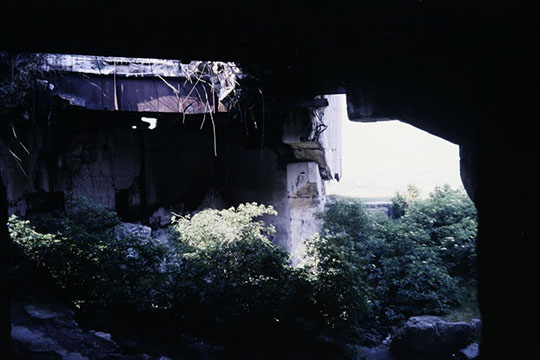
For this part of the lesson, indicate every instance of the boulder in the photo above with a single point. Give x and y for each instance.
(375, 353)
(49, 331)
(161, 217)
(469, 353)
(432, 337)
(138, 230)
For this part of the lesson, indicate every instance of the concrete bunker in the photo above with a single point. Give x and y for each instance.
(461, 71)
(146, 137)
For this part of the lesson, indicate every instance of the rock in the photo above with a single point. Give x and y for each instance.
(54, 342)
(375, 353)
(469, 353)
(161, 217)
(103, 335)
(52, 313)
(387, 340)
(127, 357)
(432, 337)
(47, 312)
(49, 331)
(138, 230)
(477, 324)
(161, 236)
(212, 200)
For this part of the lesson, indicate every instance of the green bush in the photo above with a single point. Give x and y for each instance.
(237, 287)
(89, 259)
(401, 202)
(413, 262)
(338, 297)
(450, 219)
(229, 272)
(220, 280)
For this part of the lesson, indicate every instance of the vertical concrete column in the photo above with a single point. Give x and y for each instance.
(306, 197)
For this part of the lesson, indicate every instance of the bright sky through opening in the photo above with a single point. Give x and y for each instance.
(384, 157)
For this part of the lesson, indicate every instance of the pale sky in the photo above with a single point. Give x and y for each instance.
(384, 157)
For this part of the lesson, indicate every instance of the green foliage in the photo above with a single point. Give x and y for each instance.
(228, 269)
(89, 258)
(413, 261)
(213, 228)
(401, 202)
(450, 219)
(232, 279)
(338, 297)
(221, 279)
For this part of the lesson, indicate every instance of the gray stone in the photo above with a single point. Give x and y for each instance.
(46, 312)
(103, 335)
(433, 337)
(375, 353)
(39, 344)
(52, 313)
(316, 136)
(49, 331)
(212, 200)
(469, 353)
(138, 230)
(161, 217)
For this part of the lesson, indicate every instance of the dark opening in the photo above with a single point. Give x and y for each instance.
(121, 204)
(44, 202)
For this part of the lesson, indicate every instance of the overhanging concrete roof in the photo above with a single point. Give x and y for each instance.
(139, 84)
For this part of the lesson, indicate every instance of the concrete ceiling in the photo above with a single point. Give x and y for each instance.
(435, 64)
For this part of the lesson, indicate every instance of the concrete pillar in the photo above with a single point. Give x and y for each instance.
(306, 197)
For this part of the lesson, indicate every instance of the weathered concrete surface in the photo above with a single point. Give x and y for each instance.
(140, 84)
(331, 138)
(306, 197)
(88, 154)
(97, 155)
(315, 135)
(256, 177)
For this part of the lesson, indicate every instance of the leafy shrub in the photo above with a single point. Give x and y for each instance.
(230, 273)
(411, 263)
(450, 219)
(238, 288)
(88, 258)
(338, 299)
(224, 281)
(401, 202)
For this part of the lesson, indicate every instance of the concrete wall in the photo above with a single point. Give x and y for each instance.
(331, 139)
(99, 156)
(258, 177)
(88, 157)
